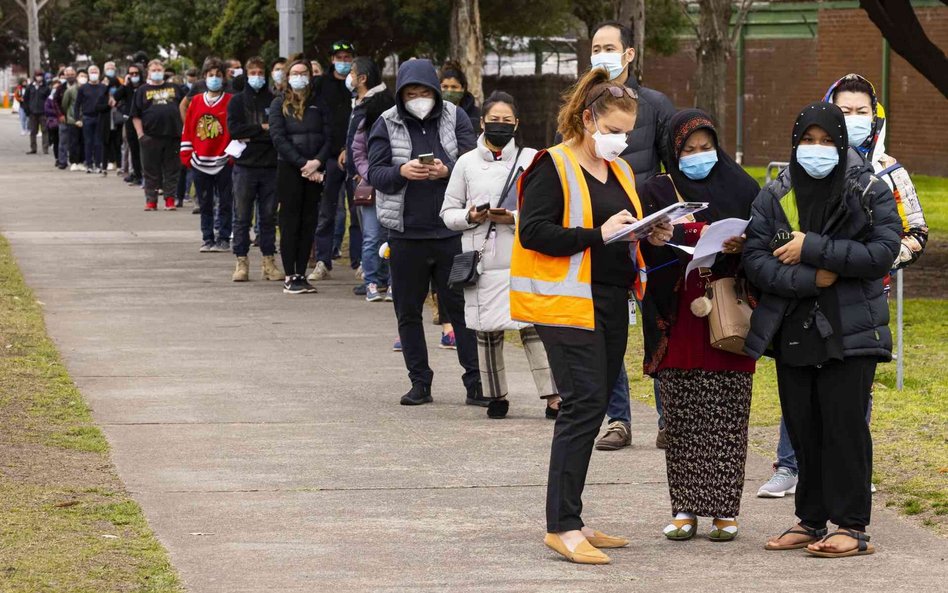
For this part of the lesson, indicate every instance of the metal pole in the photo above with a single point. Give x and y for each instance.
(900, 360)
(291, 26)
(886, 67)
(739, 152)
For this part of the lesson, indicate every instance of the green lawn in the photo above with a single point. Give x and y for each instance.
(910, 427)
(66, 522)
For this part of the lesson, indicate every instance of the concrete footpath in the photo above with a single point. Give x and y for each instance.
(262, 435)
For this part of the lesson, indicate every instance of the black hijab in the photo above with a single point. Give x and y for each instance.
(817, 198)
(728, 189)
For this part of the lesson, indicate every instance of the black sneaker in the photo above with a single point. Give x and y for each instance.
(419, 394)
(308, 288)
(497, 408)
(359, 290)
(292, 285)
(207, 247)
(475, 397)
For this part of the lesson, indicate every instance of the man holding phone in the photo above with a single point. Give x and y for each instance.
(412, 149)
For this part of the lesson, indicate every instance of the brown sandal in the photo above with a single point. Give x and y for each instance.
(862, 549)
(814, 534)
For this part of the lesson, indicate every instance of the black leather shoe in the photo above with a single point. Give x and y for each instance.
(497, 408)
(419, 394)
(475, 397)
(359, 290)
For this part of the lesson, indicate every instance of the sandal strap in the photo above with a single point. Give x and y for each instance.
(814, 533)
(681, 523)
(722, 523)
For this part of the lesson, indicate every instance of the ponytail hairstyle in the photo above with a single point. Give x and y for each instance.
(294, 102)
(593, 92)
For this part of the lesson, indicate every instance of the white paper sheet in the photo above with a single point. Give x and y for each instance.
(712, 242)
(642, 228)
(235, 148)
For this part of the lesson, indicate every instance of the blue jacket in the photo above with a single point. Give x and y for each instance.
(423, 199)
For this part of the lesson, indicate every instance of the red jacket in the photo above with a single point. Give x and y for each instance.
(205, 134)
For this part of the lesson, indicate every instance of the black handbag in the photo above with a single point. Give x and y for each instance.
(464, 268)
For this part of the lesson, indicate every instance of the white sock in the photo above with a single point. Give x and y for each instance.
(681, 517)
(729, 528)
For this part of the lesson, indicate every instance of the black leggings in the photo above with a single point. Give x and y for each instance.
(585, 368)
(825, 411)
(299, 208)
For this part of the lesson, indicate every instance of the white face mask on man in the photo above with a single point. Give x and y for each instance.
(420, 107)
(608, 146)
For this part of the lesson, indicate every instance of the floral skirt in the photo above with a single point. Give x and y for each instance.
(706, 414)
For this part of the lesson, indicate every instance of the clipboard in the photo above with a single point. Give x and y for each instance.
(673, 214)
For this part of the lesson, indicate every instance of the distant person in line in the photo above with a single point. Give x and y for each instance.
(34, 100)
(158, 125)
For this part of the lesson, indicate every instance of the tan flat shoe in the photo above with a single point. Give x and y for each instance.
(602, 541)
(584, 553)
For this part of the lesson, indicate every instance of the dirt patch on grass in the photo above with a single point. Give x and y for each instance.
(927, 279)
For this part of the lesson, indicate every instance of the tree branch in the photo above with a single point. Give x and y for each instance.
(22, 4)
(691, 21)
(41, 4)
(740, 20)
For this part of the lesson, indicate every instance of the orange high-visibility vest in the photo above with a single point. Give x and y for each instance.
(557, 291)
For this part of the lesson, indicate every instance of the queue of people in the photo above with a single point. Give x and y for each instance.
(445, 199)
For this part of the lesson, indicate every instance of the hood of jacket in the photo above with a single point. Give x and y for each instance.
(422, 72)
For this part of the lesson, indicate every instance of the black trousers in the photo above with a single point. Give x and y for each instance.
(414, 264)
(326, 227)
(76, 154)
(161, 165)
(133, 146)
(53, 139)
(585, 367)
(112, 141)
(299, 206)
(825, 408)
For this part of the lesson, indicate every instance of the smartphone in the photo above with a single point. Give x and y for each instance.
(426, 159)
(498, 211)
(482, 207)
(780, 239)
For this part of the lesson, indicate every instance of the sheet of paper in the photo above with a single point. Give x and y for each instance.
(235, 148)
(712, 242)
(685, 248)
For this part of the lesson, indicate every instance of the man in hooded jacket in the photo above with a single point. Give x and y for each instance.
(412, 150)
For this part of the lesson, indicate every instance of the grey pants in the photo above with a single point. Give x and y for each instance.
(490, 353)
(37, 126)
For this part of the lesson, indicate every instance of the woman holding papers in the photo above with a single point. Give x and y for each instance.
(574, 288)
(823, 236)
(706, 392)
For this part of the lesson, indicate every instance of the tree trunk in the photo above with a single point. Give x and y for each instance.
(32, 25)
(712, 50)
(467, 44)
(632, 13)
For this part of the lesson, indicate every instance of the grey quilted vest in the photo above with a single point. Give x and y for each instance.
(391, 207)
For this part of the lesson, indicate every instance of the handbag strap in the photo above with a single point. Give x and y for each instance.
(490, 229)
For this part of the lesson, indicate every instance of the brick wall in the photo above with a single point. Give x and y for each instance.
(783, 75)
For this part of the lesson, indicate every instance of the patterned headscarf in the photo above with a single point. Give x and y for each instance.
(878, 113)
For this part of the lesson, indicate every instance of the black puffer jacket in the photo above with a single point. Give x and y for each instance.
(247, 111)
(300, 140)
(859, 242)
(646, 150)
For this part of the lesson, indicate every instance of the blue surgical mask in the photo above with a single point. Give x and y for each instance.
(342, 68)
(818, 161)
(697, 166)
(214, 83)
(277, 76)
(858, 127)
(298, 82)
(156, 76)
(110, 73)
(256, 82)
(135, 79)
(611, 62)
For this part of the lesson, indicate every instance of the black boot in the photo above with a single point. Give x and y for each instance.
(497, 408)
(475, 397)
(419, 394)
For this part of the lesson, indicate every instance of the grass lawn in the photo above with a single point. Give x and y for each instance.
(66, 522)
(910, 427)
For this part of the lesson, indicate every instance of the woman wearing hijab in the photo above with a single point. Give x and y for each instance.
(706, 392)
(822, 237)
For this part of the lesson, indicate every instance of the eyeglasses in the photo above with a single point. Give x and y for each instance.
(616, 91)
(342, 46)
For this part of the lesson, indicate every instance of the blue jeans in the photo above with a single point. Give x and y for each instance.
(206, 186)
(373, 235)
(620, 407)
(786, 456)
(62, 156)
(335, 179)
(24, 120)
(254, 188)
(92, 142)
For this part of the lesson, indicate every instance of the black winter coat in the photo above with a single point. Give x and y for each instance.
(859, 242)
(298, 141)
(646, 150)
(247, 111)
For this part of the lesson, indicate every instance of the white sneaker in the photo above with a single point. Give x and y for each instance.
(320, 272)
(783, 482)
(111, 167)
(72, 167)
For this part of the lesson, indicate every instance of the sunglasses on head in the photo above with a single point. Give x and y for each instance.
(341, 46)
(615, 91)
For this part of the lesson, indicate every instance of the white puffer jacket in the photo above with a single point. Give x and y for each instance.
(477, 178)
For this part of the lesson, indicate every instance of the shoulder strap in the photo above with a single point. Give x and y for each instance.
(511, 175)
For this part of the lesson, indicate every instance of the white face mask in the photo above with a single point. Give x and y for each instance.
(420, 107)
(611, 62)
(277, 76)
(608, 146)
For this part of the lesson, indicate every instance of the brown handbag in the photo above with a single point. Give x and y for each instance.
(364, 194)
(729, 320)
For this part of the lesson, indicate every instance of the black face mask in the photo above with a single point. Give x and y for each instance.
(499, 134)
